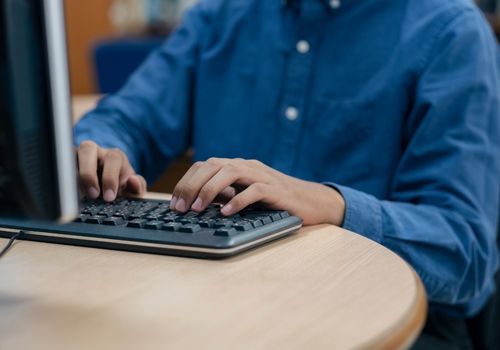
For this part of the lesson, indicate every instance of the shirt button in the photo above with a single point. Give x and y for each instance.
(303, 47)
(335, 4)
(292, 113)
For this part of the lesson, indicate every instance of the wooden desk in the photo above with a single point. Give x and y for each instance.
(323, 288)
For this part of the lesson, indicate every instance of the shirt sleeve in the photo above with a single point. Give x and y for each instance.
(442, 209)
(154, 103)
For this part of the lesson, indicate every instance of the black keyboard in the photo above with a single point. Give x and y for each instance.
(150, 226)
(156, 215)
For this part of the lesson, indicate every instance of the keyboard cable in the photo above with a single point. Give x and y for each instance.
(9, 244)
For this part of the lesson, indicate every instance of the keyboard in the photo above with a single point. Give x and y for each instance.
(149, 226)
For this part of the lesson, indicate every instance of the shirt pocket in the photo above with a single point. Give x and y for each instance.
(343, 122)
(344, 132)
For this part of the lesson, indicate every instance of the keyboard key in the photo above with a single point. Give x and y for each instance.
(81, 218)
(137, 223)
(136, 216)
(154, 225)
(284, 214)
(186, 221)
(96, 219)
(171, 226)
(190, 228)
(209, 215)
(265, 220)
(226, 232)
(114, 221)
(243, 226)
(223, 223)
(191, 214)
(207, 223)
(275, 217)
(256, 223)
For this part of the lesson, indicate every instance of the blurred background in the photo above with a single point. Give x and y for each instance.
(122, 32)
(109, 39)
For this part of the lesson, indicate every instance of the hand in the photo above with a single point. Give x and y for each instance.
(239, 183)
(107, 172)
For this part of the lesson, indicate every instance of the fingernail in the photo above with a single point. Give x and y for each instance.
(109, 196)
(180, 205)
(227, 209)
(93, 192)
(197, 204)
(172, 202)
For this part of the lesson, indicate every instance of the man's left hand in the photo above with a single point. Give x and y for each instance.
(239, 183)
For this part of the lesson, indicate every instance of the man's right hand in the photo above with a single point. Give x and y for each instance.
(107, 173)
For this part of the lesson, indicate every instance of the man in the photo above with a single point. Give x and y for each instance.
(379, 116)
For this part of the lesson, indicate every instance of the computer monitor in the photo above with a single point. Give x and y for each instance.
(37, 160)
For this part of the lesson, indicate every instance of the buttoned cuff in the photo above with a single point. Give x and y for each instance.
(363, 212)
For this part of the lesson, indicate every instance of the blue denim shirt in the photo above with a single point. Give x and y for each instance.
(395, 103)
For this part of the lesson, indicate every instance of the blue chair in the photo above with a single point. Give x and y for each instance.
(116, 59)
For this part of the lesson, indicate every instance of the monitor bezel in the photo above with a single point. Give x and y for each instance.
(60, 96)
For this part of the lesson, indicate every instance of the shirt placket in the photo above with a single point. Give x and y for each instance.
(297, 79)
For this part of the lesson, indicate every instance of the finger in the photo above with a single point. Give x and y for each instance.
(112, 167)
(189, 195)
(187, 189)
(182, 183)
(227, 176)
(134, 185)
(126, 172)
(226, 195)
(87, 168)
(253, 194)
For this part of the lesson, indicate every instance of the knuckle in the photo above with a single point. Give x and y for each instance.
(87, 145)
(230, 169)
(110, 180)
(255, 162)
(113, 155)
(198, 164)
(258, 188)
(184, 190)
(179, 189)
(207, 192)
(116, 151)
(213, 161)
(88, 178)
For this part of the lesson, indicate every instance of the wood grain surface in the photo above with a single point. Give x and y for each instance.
(322, 288)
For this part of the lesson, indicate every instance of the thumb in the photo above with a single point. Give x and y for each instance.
(135, 185)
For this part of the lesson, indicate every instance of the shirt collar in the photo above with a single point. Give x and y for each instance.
(333, 4)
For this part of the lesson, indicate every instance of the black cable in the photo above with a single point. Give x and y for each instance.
(9, 244)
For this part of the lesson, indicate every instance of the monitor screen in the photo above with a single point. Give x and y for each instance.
(37, 165)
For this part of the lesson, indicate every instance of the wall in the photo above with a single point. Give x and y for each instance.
(87, 22)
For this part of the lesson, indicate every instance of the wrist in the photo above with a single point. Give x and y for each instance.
(333, 205)
(321, 204)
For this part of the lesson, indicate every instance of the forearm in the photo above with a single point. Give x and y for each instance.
(452, 250)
